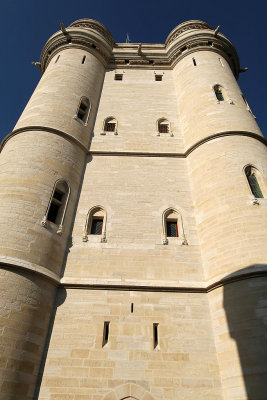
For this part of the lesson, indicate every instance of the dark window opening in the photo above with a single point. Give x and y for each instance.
(132, 307)
(83, 60)
(253, 183)
(183, 48)
(110, 126)
(57, 59)
(55, 206)
(155, 335)
(94, 46)
(97, 226)
(209, 43)
(126, 61)
(58, 195)
(69, 40)
(172, 229)
(158, 78)
(151, 62)
(53, 212)
(83, 109)
(218, 93)
(194, 61)
(163, 128)
(118, 77)
(105, 333)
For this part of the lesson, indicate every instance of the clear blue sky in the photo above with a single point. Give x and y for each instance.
(27, 24)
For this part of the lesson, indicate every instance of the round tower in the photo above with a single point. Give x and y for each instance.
(41, 165)
(227, 161)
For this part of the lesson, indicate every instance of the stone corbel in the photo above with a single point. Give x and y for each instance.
(60, 230)
(44, 222)
(104, 238)
(184, 241)
(85, 238)
(255, 201)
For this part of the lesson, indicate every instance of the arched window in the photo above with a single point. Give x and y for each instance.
(83, 110)
(57, 206)
(95, 224)
(219, 92)
(172, 226)
(252, 175)
(110, 125)
(163, 127)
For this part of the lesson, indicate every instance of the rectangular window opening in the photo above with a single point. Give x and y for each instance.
(172, 229)
(132, 307)
(155, 335)
(53, 212)
(118, 77)
(158, 78)
(58, 195)
(110, 127)
(97, 226)
(163, 128)
(83, 60)
(105, 333)
(194, 62)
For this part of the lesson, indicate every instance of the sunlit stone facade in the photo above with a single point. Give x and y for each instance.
(134, 224)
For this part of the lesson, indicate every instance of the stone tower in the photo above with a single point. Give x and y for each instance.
(133, 224)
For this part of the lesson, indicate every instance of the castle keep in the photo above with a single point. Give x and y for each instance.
(133, 224)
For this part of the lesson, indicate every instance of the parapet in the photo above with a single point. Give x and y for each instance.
(86, 34)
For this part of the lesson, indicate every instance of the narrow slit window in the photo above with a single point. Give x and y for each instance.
(83, 110)
(105, 333)
(218, 93)
(57, 58)
(97, 226)
(253, 182)
(194, 61)
(172, 228)
(132, 307)
(83, 60)
(155, 335)
(158, 78)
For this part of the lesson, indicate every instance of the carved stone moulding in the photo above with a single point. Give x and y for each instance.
(59, 42)
(185, 26)
(96, 26)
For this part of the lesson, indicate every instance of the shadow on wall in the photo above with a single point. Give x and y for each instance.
(59, 300)
(245, 303)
